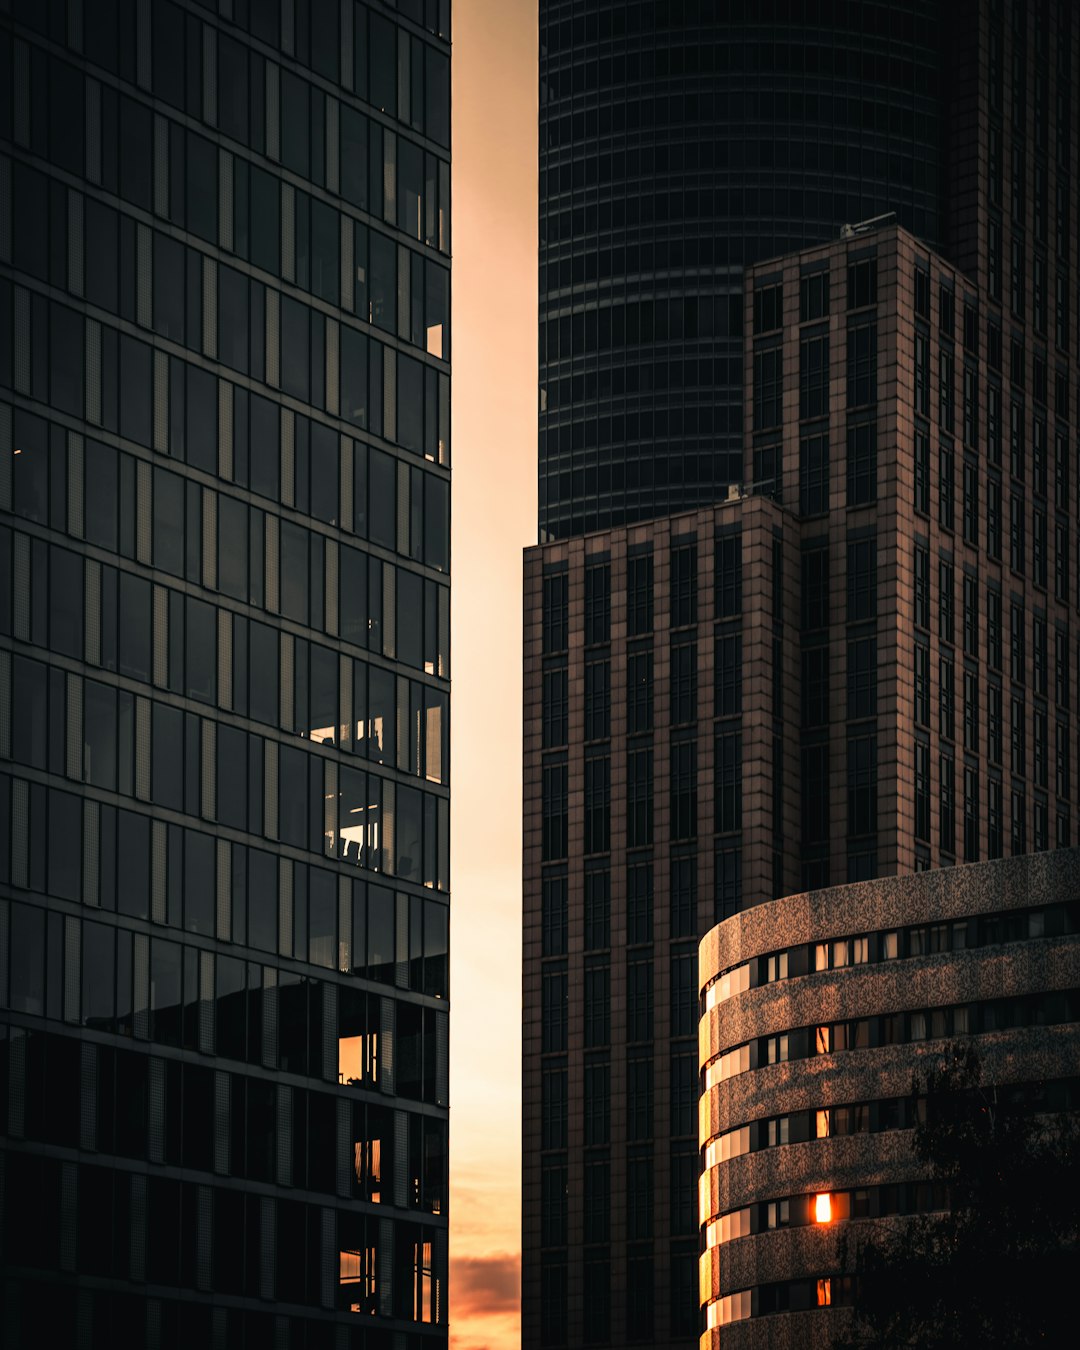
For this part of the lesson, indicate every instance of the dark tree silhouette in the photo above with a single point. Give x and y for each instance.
(1001, 1267)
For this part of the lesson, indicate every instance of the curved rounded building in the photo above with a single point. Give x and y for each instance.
(816, 1011)
(680, 143)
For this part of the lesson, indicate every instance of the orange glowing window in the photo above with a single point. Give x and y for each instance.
(823, 1208)
(824, 1290)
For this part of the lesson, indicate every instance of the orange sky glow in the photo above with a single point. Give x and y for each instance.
(494, 517)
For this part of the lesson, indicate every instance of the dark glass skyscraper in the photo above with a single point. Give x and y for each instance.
(224, 667)
(679, 143)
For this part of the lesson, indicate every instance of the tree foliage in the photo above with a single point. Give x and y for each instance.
(1001, 1266)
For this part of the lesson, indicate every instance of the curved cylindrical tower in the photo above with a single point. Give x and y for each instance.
(817, 1010)
(680, 142)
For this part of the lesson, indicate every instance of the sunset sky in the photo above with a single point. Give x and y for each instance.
(494, 517)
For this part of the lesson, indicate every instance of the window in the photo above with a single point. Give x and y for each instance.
(1018, 739)
(971, 815)
(553, 911)
(728, 897)
(597, 604)
(922, 791)
(684, 789)
(862, 463)
(947, 813)
(555, 613)
(922, 684)
(814, 475)
(597, 803)
(994, 628)
(768, 388)
(815, 589)
(597, 1003)
(1016, 533)
(922, 373)
(683, 896)
(993, 723)
(597, 1102)
(1038, 548)
(993, 519)
(1061, 561)
(639, 794)
(597, 700)
(553, 1015)
(639, 682)
(814, 296)
(684, 994)
(554, 707)
(728, 779)
(683, 682)
(971, 503)
(683, 585)
(946, 312)
(862, 283)
(728, 576)
(922, 293)
(862, 678)
(554, 811)
(1016, 439)
(993, 819)
(639, 599)
(862, 785)
(639, 902)
(922, 470)
(1018, 665)
(947, 486)
(862, 365)
(947, 698)
(993, 425)
(971, 712)
(728, 672)
(946, 391)
(971, 616)
(814, 376)
(768, 307)
(946, 602)
(815, 687)
(861, 579)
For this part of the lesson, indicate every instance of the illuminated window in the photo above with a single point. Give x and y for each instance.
(357, 1279)
(823, 1208)
(824, 1293)
(823, 1040)
(822, 1124)
(425, 1286)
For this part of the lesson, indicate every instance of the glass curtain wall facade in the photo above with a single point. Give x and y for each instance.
(680, 143)
(224, 672)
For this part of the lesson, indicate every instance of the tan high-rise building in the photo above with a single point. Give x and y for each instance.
(859, 662)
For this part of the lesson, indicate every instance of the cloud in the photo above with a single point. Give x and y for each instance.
(485, 1285)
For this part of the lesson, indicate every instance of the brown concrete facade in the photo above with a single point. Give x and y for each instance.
(906, 629)
(817, 1009)
(973, 520)
(637, 956)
